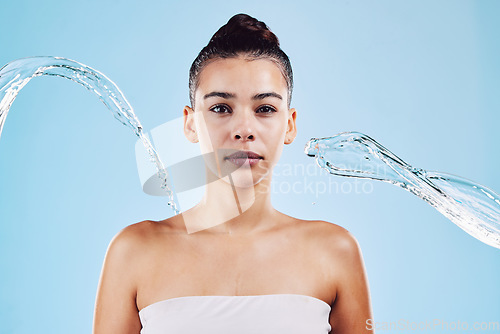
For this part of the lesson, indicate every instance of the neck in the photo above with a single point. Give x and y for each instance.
(229, 209)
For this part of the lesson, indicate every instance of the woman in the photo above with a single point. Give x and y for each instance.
(232, 263)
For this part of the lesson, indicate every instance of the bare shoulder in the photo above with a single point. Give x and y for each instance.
(132, 235)
(338, 237)
(135, 239)
(336, 253)
(123, 247)
(116, 307)
(341, 242)
(341, 252)
(346, 273)
(331, 238)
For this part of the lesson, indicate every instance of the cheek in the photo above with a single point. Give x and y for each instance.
(202, 132)
(276, 138)
(206, 134)
(279, 148)
(281, 135)
(279, 130)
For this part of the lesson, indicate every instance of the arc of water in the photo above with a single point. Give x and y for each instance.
(471, 206)
(16, 74)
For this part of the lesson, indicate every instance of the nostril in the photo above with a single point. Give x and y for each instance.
(249, 137)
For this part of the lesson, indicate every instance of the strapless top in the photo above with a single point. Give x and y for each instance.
(258, 314)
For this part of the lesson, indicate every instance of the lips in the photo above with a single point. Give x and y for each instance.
(241, 157)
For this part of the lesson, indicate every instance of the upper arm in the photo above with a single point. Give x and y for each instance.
(115, 307)
(351, 308)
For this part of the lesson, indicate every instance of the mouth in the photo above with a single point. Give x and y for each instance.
(244, 157)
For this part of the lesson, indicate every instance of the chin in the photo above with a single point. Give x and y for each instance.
(244, 178)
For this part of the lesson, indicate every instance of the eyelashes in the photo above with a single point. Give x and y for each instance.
(224, 109)
(269, 109)
(216, 109)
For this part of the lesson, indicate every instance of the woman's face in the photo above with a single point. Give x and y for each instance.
(241, 105)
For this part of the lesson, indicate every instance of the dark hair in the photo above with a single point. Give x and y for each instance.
(245, 35)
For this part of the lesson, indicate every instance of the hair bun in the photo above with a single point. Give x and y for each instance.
(244, 27)
(244, 36)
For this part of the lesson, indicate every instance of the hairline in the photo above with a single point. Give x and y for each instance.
(248, 56)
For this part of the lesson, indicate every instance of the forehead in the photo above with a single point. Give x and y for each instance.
(242, 76)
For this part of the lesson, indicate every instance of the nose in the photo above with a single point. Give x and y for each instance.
(244, 136)
(243, 129)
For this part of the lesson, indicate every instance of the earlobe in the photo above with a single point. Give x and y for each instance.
(291, 130)
(189, 126)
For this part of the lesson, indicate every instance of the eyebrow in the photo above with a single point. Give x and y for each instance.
(225, 95)
(262, 96)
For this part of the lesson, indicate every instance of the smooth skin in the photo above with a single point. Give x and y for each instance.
(256, 252)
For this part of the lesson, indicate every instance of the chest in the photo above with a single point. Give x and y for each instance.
(239, 268)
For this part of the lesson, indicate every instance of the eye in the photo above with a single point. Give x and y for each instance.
(220, 109)
(266, 110)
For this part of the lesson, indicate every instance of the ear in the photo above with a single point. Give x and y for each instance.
(189, 126)
(291, 129)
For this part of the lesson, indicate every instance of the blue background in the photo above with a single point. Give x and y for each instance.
(421, 77)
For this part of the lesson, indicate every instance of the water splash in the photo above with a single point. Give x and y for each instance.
(16, 74)
(471, 206)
